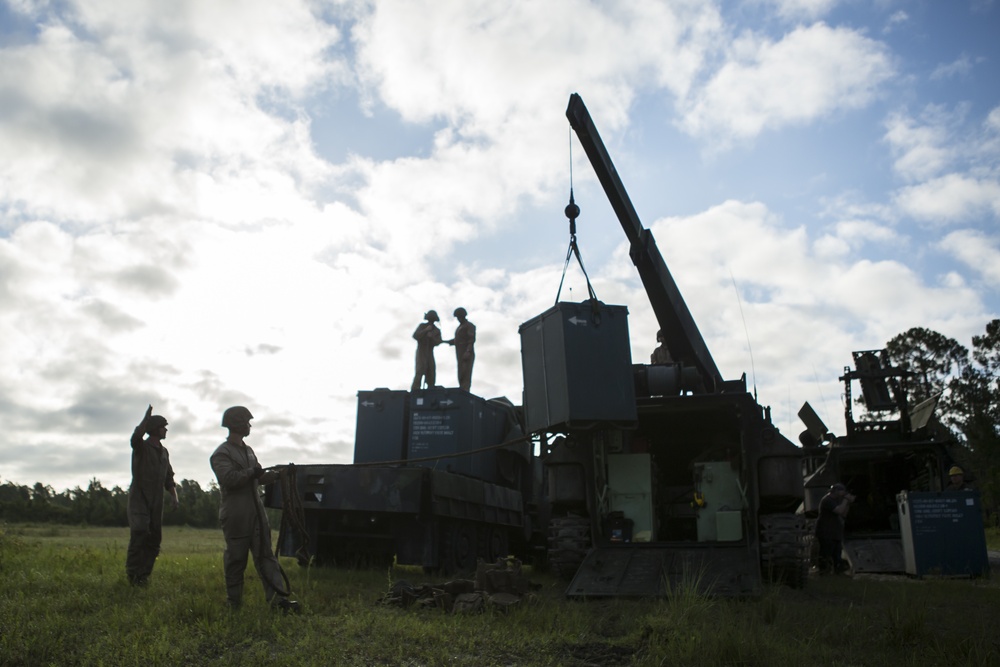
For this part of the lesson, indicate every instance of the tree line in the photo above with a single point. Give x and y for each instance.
(98, 505)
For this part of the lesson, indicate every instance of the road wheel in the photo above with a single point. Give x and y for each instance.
(458, 547)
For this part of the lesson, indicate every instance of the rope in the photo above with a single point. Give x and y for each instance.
(293, 516)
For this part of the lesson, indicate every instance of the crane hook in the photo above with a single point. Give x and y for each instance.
(572, 212)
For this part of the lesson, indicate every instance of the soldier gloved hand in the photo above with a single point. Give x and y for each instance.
(258, 471)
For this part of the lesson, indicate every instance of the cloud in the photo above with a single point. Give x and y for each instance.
(981, 253)
(958, 68)
(811, 72)
(118, 111)
(801, 9)
(896, 19)
(922, 149)
(950, 198)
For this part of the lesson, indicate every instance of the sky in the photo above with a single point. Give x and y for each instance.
(206, 204)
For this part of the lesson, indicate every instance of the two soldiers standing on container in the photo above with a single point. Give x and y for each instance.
(428, 336)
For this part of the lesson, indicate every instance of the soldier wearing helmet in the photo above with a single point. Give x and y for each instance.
(428, 336)
(244, 522)
(957, 483)
(661, 355)
(151, 476)
(465, 348)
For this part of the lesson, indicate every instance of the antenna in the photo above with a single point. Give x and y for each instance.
(753, 370)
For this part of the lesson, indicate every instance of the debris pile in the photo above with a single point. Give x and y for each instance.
(500, 586)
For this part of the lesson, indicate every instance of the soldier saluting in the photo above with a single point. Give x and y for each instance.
(151, 476)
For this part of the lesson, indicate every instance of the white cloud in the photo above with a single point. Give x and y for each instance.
(802, 9)
(960, 67)
(897, 19)
(121, 112)
(811, 72)
(950, 198)
(979, 252)
(851, 236)
(922, 149)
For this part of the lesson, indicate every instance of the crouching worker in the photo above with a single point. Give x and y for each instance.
(244, 522)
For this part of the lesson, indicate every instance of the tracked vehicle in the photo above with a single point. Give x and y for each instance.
(627, 479)
(892, 447)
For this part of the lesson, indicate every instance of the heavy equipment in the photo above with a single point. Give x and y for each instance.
(690, 483)
(891, 448)
(627, 479)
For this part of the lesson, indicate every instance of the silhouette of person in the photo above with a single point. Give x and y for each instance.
(427, 336)
(833, 509)
(151, 476)
(244, 523)
(661, 355)
(465, 348)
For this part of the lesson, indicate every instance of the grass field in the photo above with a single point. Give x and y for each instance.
(65, 601)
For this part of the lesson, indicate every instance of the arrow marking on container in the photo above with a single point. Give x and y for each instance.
(577, 321)
(367, 404)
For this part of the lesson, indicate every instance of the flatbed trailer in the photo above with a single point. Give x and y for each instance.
(355, 515)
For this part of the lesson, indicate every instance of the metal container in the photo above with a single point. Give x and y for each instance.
(577, 364)
(943, 533)
(446, 422)
(381, 431)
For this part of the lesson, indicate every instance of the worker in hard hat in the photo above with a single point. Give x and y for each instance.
(958, 483)
(428, 336)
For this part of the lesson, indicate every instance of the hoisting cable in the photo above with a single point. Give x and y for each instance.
(573, 212)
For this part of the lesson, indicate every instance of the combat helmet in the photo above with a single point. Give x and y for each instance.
(235, 415)
(155, 423)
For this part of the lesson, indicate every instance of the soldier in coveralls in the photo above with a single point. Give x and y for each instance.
(428, 336)
(244, 522)
(465, 348)
(151, 476)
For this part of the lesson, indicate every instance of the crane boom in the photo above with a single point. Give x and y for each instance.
(683, 338)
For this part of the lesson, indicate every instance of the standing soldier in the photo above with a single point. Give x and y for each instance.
(151, 476)
(244, 522)
(428, 336)
(833, 510)
(465, 348)
(661, 355)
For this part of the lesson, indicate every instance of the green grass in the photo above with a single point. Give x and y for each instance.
(65, 601)
(993, 538)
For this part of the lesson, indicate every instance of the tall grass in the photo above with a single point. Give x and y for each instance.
(65, 601)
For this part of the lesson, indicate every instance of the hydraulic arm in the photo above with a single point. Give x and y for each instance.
(683, 338)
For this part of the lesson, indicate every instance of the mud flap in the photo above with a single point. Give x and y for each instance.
(653, 571)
